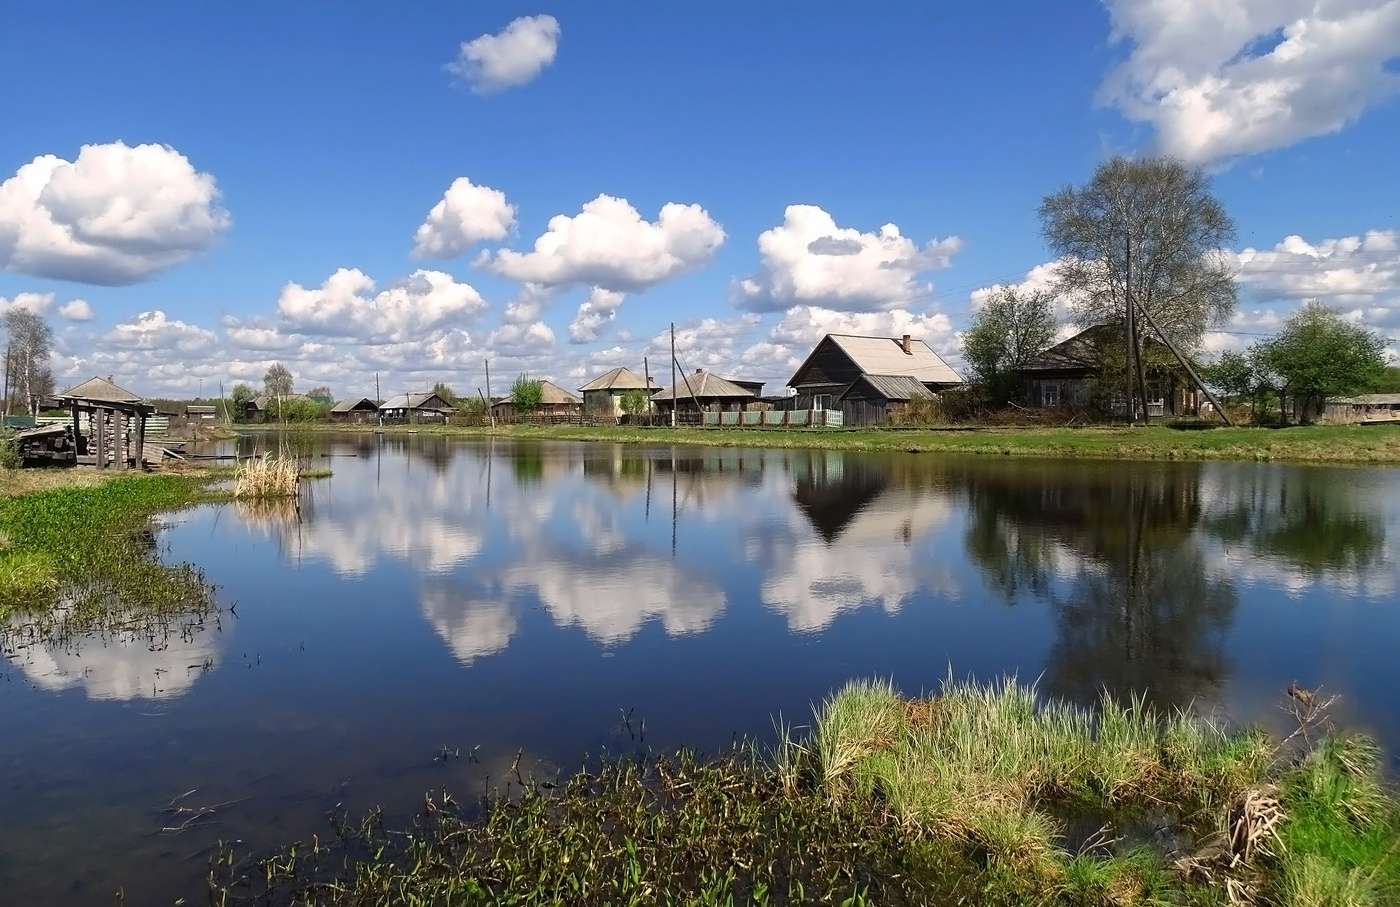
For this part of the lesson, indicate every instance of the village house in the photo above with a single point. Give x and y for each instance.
(602, 397)
(355, 410)
(1065, 375)
(868, 379)
(710, 393)
(427, 407)
(555, 402)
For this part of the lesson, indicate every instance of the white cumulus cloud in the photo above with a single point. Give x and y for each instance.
(465, 215)
(115, 216)
(347, 305)
(610, 246)
(511, 57)
(76, 310)
(157, 331)
(809, 260)
(1222, 78)
(594, 314)
(1343, 271)
(38, 303)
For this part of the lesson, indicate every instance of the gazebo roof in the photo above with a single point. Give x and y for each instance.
(99, 390)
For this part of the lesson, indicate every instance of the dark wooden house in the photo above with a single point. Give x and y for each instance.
(355, 410)
(1067, 374)
(427, 407)
(868, 378)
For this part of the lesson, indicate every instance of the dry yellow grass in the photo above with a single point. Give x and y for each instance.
(266, 477)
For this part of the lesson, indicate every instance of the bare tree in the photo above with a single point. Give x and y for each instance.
(278, 380)
(1149, 229)
(29, 345)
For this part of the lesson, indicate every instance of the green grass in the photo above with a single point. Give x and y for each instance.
(964, 798)
(81, 557)
(1310, 444)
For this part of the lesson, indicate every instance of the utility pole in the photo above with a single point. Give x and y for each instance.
(674, 395)
(646, 375)
(490, 413)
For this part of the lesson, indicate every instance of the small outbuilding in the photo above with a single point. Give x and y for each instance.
(872, 399)
(116, 423)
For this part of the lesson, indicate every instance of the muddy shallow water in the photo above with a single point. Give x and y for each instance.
(439, 605)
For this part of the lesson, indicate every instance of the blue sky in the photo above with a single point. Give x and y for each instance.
(192, 192)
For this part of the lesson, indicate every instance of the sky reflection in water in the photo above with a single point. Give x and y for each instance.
(438, 592)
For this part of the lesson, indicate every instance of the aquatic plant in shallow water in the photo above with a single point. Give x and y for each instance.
(957, 799)
(266, 477)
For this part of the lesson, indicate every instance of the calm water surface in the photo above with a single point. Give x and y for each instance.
(490, 598)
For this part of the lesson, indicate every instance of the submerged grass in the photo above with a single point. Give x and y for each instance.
(80, 557)
(266, 477)
(965, 798)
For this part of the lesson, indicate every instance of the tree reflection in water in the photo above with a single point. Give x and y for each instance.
(1113, 550)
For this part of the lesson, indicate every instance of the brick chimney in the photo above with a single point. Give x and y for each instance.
(904, 342)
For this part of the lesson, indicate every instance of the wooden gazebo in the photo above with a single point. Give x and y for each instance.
(112, 412)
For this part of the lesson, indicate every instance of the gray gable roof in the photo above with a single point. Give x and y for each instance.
(886, 356)
(703, 385)
(100, 390)
(350, 404)
(891, 387)
(620, 379)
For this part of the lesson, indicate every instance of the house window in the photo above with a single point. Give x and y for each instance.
(1050, 394)
(821, 401)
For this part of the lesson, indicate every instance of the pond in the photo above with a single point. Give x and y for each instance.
(441, 608)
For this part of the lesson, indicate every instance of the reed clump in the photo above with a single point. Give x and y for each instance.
(982, 795)
(266, 477)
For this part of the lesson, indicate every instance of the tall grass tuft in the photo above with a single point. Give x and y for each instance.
(266, 477)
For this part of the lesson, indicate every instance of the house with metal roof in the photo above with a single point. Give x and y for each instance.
(869, 378)
(707, 392)
(603, 395)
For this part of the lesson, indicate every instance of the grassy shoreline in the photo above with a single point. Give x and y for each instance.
(1370, 444)
(982, 795)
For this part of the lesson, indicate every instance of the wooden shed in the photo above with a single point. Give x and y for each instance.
(116, 423)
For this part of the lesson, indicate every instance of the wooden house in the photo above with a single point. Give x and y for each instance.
(355, 410)
(1362, 408)
(555, 403)
(868, 378)
(603, 395)
(201, 413)
(1066, 373)
(427, 407)
(708, 392)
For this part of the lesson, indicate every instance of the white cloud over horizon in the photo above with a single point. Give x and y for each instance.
(513, 56)
(465, 215)
(347, 305)
(115, 216)
(1219, 79)
(809, 260)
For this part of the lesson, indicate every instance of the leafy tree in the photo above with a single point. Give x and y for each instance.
(634, 401)
(1389, 382)
(444, 390)
(278, 380)
(472, 407)
(1147, 226)
(1010, 329)
(1319, 354)
(298, 409)
(527, 393)
(239, 398)
(1242, 376)
(321, 390)
(28, 344)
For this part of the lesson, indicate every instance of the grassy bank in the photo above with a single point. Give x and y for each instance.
(1379, 444)
(77, 550)
(981, 796)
